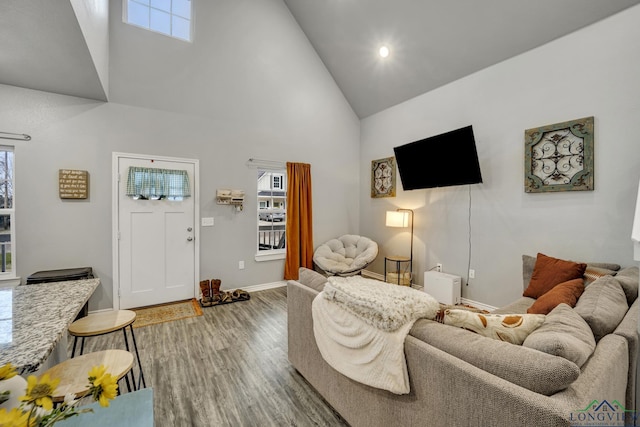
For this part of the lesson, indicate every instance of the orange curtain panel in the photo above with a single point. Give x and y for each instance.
(299, 229)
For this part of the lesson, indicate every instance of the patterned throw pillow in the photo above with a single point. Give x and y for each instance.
(444, 307)
(512, 328)
(591, 274)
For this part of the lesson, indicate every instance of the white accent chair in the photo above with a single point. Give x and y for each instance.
(345, 256)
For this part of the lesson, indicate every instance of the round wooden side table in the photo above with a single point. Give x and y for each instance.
(400, 273)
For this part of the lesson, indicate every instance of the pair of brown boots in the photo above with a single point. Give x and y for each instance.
(211, 294)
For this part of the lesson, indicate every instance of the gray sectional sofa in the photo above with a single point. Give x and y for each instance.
(459, 378)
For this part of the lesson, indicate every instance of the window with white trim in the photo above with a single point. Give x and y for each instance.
(169, 17)
(272, 213)
(7, 213)
(277, 181)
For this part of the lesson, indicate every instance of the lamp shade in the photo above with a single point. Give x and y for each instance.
(397, 219)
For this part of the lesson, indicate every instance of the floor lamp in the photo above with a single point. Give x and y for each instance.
(402, 218)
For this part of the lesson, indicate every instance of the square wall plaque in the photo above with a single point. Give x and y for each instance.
(73, 184)
(383, 177)
(559, 157)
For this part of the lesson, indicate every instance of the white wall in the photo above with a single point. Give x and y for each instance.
(593, 72)
(93, 18)
(250, 85)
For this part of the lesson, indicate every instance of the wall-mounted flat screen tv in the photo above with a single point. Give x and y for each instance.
(439, 161)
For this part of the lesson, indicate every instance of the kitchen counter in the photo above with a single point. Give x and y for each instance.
(34, 320)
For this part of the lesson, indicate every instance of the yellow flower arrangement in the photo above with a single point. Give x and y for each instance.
(7, 371)
(14, 417)
(36, 409)
(104, 385)
(39, 393)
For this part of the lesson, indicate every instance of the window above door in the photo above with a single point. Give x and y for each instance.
(169, 17)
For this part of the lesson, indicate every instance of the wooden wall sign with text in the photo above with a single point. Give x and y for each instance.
(73, 184)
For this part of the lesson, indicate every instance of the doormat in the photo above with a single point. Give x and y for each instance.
(161, 313)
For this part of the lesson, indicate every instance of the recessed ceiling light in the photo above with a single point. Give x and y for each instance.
(384, 51)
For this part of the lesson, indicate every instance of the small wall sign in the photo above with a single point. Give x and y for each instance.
(73, 184)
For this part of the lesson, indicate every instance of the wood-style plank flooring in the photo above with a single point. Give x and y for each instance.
(228, 367)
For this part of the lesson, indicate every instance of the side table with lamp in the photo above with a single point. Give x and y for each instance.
(401, 275)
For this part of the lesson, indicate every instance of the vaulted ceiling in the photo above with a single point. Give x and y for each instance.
(43, 47)
(432, 42)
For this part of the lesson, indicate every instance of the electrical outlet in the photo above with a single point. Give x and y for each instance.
(472, 274)
(241, 265)
(439, 267)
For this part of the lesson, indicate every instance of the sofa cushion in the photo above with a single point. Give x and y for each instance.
(603, 305)
(528, 368)
(311, 279)
(592, 272)
(628, 279)
(512, 328)
(566, 292)
(549, 272)
(564, 333)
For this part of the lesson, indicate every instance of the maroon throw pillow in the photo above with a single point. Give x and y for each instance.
(566, 292)
(549, 272)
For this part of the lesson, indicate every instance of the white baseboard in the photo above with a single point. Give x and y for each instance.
(261, 286)
(372, 275)
(477, 304)
(482, 306)
(252, 288)
(365, 273)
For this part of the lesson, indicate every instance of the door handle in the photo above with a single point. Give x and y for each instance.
(189, 239)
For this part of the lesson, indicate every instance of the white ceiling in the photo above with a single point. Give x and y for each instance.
(42, 47)
(432, 42)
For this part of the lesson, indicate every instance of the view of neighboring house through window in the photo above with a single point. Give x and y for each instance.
(7, 211)
(272, 211)
(169, 17)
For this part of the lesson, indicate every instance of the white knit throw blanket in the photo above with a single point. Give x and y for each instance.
(360, 326)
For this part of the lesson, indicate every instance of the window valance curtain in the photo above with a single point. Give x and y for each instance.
(154, 183)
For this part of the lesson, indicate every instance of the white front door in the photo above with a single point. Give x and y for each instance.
(155, 241)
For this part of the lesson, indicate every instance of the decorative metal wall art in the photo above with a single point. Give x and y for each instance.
(559, 157)
(383, 177)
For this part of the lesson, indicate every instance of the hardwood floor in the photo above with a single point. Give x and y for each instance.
(228, 367)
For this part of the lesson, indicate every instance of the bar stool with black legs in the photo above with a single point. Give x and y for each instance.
(73, 373)
(104, 323)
